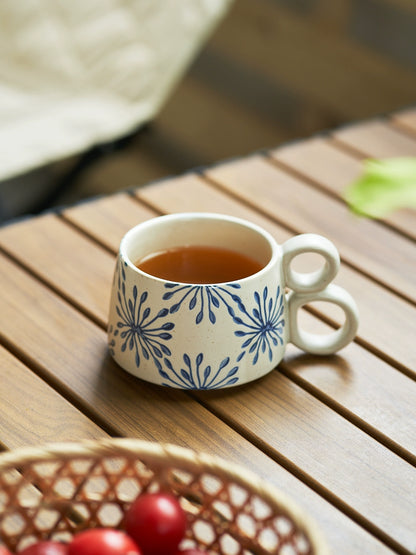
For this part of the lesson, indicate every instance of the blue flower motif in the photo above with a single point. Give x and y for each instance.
(138, 330)
(199, 377)
(203, 298)
(264, 327)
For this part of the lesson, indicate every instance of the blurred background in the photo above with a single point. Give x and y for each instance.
(271, 71)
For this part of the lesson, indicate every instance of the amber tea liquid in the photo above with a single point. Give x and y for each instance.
(199, 264)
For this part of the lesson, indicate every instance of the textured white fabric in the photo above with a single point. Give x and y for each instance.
(77, 72)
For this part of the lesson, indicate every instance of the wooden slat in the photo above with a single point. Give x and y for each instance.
(376, 304)
(356, 382)
(190, 192)
(37, 242)
(25, 399)
(62, 257)
(406, 119)
(363, 243)
(281, 418)
(109, 218)
(319, 160)
(377, 139)
(134, 408)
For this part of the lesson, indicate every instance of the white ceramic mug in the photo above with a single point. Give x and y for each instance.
(212, 336)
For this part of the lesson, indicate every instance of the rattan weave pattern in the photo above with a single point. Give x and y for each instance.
(57, 490)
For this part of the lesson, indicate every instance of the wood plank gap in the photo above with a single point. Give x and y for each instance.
(307, 479)
(85, 312)
(347, 414)
(150, 205)
(62, 216)
(268, 156)
(144, 202)
(58, 386)
(357, 152)
(349, 149)
(130, 192)
(403, 128)
(327, 191)
(295, 231)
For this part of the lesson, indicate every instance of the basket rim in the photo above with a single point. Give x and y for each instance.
(192, 460)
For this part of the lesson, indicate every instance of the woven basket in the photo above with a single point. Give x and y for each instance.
(55, 491)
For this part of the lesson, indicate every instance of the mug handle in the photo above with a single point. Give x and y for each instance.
(316, 286)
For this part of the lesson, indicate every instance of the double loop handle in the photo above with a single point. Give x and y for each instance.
(317, 286)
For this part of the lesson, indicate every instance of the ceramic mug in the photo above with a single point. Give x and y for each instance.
(212, 336)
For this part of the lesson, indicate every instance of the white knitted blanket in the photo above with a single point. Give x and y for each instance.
(78, 72)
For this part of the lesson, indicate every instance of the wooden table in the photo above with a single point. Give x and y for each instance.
(336, 433)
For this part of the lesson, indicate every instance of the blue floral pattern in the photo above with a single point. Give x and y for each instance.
(205, 299)
(137, 328)
(264, 328)
(199, 376)
(148, 335)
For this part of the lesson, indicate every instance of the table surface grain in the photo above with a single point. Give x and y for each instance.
(336, 433)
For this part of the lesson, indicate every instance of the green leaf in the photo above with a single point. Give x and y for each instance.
(384, 186)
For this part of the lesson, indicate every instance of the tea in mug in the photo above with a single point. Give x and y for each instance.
(199, 264)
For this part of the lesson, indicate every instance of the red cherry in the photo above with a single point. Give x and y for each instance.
(102, 541)
(157, 523)
(46, 547)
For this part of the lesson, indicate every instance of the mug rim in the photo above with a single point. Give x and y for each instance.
(184, 216)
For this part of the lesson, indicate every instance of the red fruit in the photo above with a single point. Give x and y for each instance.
(4, 550)
(46, 547)
(156, 522)
(102, 541)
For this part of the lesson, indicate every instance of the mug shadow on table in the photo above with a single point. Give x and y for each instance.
(302, 366)
(126, 401)
(119, 397)
(326, 366)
